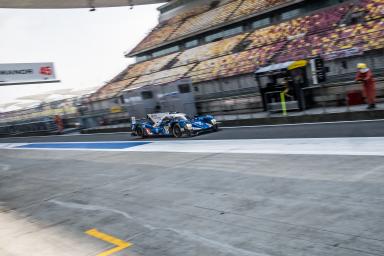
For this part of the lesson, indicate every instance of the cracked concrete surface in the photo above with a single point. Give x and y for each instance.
(191, 204)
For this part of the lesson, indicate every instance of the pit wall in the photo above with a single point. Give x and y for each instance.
(239, 95)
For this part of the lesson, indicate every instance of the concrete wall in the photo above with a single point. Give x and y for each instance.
(374, 59)
(231, 105)
(223, 85)
(237, 95)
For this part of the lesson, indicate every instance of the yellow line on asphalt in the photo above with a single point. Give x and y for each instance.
(121, 245)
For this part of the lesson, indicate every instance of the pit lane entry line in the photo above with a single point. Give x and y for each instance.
(354, 146)
(120, 244)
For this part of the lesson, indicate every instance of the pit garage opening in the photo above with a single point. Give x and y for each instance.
(283, 86)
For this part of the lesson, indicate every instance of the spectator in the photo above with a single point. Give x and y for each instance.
(365, 76)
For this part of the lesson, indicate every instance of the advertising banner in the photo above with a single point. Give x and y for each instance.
(343, 53)
(27, 73)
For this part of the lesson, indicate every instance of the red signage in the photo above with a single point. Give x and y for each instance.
(46, 71)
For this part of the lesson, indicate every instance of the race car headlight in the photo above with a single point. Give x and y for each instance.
(188, 126)
(213, 121)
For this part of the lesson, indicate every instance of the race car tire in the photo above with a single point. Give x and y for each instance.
(215, 127)
(176, 131)
(145, 134)
(139, 132)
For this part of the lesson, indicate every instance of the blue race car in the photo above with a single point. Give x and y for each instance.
(173, 124)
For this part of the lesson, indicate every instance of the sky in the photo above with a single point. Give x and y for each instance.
(86, 47)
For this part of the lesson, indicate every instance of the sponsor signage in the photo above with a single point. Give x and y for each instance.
(27, 73)
(318, 70)
(343, 53)
(116, 109)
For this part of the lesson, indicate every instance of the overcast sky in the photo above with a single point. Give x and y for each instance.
(86, 47)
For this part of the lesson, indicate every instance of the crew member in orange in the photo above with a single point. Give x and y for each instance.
(365, 76)
(59, 123)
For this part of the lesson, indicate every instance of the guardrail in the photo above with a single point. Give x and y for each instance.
(335, 97)
(31, 127)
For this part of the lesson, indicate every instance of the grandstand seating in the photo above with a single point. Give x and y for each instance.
(162, 31)
(200, 8)
(131, 74)
(209, 51)
(161, 77)
(359, 37)
(374, 8)
(322, 33)
(199, 19)
(207, 19)
(316, 23)
(111, 89)
(374, 37)
(149, 66)
(158, 35)
(234, 64)
(300, 38)
(249, 7)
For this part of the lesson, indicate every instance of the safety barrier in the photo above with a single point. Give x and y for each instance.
(31, 127)
(334, 97)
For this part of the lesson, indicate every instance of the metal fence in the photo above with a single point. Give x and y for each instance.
(31, 127)
(336, 97)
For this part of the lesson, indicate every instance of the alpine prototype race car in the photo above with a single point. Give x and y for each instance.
(173, 124)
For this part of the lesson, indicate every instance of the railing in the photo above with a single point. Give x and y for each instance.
(39, 126)
(326, 98)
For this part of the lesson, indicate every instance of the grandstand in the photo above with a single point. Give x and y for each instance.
(220, 44)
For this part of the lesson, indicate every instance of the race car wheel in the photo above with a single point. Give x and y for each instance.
(215, 127)
(139, 132)
(145, 133)
(176, 131)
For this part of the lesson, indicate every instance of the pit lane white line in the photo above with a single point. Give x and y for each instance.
(67, 135)
(371, 146)
(368, 146)
(224, 127)
(298, 124)
(11, 145)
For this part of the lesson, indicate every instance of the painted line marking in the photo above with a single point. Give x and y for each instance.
(298, 124)
(120, 244)
(83, 145)
(369, 146)
(67, 135)
(223, 127)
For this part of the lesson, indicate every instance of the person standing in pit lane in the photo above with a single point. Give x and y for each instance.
(59, 123)
(365, 76)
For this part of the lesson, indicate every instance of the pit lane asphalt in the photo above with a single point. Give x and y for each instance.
(189, 204)
(372, 128)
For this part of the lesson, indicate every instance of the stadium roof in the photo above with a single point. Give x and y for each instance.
(58, 4)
